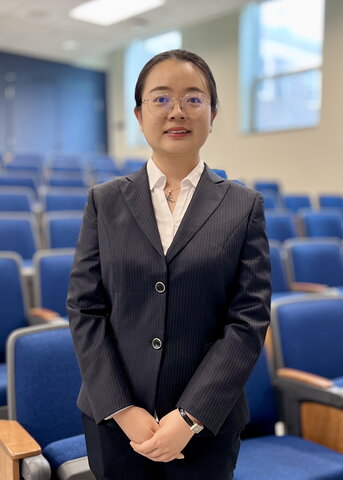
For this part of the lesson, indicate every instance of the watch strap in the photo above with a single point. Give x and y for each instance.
(186, 417)
(195, 427)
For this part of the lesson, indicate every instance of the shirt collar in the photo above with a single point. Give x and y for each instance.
(158, 179)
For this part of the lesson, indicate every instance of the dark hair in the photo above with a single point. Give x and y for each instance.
(182, 55)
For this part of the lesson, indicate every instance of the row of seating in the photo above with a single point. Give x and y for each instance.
(71, 172)
(22, 234)
(309, 223)
(304, 363)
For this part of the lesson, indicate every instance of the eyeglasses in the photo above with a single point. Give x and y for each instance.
(192, 104)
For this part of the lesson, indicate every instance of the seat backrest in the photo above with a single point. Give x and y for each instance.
(221, 173)
(323, 224)
(270, 200)
(11, 179)
(51, 278)
(280, 226)
(331, 201)
(56, 200)
(11, 201)
(278, 270)
(296, 202)
(307, 334)
(43, 382)
(315, 260)
(12, 298)
(18, 233)
(262, 186)
(62, 229)
(66, 182)
(261, 400)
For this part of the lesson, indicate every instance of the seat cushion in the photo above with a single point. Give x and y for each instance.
(3, 384)
(64, 450)
(285, 458)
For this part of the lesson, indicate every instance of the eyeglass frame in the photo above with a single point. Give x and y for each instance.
(172, 99)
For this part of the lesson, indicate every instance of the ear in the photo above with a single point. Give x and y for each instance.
(213, 116)
(138, 114)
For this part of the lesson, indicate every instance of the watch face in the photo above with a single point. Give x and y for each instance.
(196, 428)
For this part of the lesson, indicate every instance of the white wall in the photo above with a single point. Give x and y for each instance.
(309, 160)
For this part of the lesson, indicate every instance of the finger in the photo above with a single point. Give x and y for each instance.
(151, 452)
(146, 447)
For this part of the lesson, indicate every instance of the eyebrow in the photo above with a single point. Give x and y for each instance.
(165, 88)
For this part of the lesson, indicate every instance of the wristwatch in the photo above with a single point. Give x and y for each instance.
(195, 427)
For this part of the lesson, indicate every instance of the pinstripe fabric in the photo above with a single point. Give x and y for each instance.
(211, 318)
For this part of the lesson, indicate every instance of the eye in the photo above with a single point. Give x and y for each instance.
(195, 99)
(161, 100)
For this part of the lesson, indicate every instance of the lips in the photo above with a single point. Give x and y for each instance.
(177, 132)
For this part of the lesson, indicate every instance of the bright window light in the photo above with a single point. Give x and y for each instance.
(108, 12)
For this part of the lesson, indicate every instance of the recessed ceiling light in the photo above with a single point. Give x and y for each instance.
(108, 12)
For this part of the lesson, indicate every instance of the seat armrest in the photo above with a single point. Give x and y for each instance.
(305, 377)
(308, 287)
(42, 315)
(15, 445)
(296, 387)
(16, 442)
(303, 386)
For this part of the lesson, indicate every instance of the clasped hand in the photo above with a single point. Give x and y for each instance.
(160, 442)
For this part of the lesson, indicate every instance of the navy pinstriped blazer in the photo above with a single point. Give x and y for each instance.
(211, 318)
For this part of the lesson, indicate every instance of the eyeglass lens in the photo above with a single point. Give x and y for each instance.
(192, 104)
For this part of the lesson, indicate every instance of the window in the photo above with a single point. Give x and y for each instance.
(138, 53)
(281, 58)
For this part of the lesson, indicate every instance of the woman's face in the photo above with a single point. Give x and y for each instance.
(175, 134)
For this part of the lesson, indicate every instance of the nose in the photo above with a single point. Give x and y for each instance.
(176, 109)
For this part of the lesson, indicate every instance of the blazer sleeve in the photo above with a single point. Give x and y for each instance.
(219, 380)
(88, 305)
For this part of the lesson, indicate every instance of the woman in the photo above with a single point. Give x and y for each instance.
(169, 294)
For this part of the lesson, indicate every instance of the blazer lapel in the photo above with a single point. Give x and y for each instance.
(208, 194)
(136, 193)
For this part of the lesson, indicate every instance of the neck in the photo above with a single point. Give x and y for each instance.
(175, 170)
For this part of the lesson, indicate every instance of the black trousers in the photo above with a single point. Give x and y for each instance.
(112, 458)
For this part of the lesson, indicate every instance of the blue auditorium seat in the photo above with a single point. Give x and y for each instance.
(307, 337)
(16, 199)
(19, 233)
(281, 285)
(13, 311)
(324, 223)
(295, 202)
(315, 260)
(265, 456)
(11, 179)
(331, 201)
(221, 173)
(280, 225)
(51, 278)
(44, 382)
(61, 229)
(56, 199)
(267, 186)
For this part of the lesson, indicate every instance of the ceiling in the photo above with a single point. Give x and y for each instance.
(39, 27)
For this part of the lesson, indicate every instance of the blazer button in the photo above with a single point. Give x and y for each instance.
(160, 287)
(156, 343)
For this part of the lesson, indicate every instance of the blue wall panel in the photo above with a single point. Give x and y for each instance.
(51, 107)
